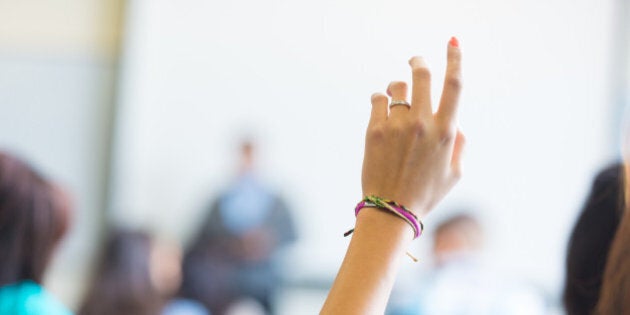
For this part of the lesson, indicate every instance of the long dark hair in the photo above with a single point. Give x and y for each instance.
(34, 216)
(615, 295)
(591, 239)
(122, 282)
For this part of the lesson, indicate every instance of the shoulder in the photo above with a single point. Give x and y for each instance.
(29, 298)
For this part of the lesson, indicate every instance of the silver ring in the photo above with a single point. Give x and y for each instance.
(399, 103)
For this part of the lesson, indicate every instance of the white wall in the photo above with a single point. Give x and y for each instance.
(536, 112)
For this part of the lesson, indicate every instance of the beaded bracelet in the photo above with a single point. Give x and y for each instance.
(395, 208)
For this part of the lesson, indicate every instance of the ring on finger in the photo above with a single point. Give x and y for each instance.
(399, 103)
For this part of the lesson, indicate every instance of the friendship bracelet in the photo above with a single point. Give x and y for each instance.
(395, 208)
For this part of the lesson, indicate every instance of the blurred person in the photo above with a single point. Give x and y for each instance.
(591, 239)
(137, 275)
(166, 275)
(615, 292)
(459, 237)
(232, 256)
(34, 217)
(246, 306)
(122, 281)
(461, 283)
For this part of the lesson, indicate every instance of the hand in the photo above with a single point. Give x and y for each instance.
(412, 155)
(257, 244)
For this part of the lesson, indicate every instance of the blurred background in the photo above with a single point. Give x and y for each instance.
(141, 109)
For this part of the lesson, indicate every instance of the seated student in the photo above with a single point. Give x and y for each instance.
(234, 253)
(34, 216)
(462, 283)
(412, 158)
(122, 279)
(590, 241)
(137, 275)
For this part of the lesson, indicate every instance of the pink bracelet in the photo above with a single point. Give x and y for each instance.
(393, 207)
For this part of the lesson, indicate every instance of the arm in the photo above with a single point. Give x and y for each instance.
(367, 274)
(412, 156)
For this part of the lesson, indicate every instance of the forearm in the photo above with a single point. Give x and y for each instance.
(369, 269)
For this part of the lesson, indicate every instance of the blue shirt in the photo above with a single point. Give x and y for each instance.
(29, 298)
(245, 205)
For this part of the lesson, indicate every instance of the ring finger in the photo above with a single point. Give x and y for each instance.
(397, 90)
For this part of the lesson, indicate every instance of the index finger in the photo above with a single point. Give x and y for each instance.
(447, 112)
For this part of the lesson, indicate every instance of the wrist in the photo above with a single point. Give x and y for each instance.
(394, 208)
(377, 222)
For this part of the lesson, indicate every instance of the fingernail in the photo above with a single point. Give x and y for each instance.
(454, 42)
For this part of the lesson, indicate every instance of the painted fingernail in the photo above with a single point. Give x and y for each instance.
(454, 42)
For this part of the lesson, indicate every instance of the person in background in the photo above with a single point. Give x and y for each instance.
(232, 256)
(122, 279)
(137, 275)
(615, 292)
(591, 240)
(34, 217)
(166, 275)
(458, 238)
(614, 297)
(461, 283)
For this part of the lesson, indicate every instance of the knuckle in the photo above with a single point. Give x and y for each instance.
(398, 85)
(454, 82)
(394, 129)
(417, 127)
(421, 72)
(446, 135)
(375, 132)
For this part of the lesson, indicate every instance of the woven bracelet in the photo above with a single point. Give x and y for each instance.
(394, 208)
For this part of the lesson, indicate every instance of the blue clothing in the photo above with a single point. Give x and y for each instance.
(29, 298)
(246, 205)
(235, 252)
(184, 307)
(465, 286)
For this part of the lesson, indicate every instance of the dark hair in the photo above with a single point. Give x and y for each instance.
(122, 281)
(34, 216)
(591, 240)
(615, 294)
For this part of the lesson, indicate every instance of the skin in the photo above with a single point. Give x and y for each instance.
(412, 156)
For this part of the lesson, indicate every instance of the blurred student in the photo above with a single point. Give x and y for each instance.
(615, 291)
(233, 255)
(614, 297)
(166, 274)
(591, 240)
(137, 275)
(461, 283)
(34, 217)
(122, 280)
